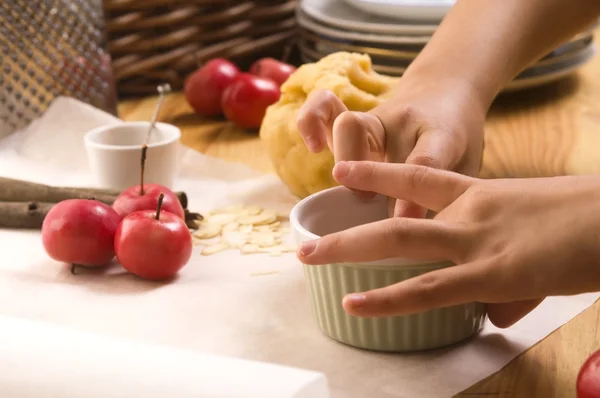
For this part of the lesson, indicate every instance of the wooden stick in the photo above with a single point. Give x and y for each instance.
(12, 190)
(25, 191)
(23, 215)
(30, 215)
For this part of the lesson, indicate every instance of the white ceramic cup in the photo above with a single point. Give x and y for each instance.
(114, 154)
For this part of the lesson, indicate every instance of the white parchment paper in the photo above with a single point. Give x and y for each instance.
(216, 305)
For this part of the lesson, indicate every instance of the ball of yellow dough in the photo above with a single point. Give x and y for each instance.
(351, 77)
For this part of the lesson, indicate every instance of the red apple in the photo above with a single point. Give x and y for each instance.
(272, 69)
(153, 245)
(588, 380)
(80, 232)
(204, 88)
(246, 100)
(133, 199)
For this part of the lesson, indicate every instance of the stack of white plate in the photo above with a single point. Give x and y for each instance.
(393, 32)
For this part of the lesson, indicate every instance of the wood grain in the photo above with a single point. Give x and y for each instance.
(550, 131)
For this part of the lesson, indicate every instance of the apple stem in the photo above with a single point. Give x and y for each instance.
(73, 268)
(144, 149)
(158, 207)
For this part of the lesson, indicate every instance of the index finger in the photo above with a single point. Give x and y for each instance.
(428, 187)
(417, 239)
(316, 117)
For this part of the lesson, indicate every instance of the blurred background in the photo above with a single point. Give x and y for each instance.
(102, 51)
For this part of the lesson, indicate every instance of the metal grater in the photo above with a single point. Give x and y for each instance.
(50, 48)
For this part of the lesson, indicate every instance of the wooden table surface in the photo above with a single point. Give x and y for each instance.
(551, 131)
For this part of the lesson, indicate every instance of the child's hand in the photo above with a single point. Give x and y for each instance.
(437, 124)
(515, 241)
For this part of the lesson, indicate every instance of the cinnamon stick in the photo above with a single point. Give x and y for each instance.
(30, 215)
(25, 191)
(23, 215)
(12, 190)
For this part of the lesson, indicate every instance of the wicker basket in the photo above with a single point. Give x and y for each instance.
(162, 41)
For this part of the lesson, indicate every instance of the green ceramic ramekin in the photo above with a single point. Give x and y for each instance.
(337, 209)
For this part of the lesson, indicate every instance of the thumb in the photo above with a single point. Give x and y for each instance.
(504, 315)
(433, 149)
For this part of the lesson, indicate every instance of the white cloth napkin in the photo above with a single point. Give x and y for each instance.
(216, 305)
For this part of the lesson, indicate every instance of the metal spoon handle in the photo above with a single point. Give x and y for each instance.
(162, 90)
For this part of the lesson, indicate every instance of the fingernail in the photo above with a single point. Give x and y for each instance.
(306, 248)
(356, 300)
(312, 144)
(341, 169)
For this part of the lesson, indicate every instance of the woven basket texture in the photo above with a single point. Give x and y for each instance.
(162, 41)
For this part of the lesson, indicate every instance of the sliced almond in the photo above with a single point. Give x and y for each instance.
(250, 229)
(276, 234)
(232, 226)
(264, 240)
(245, 228)
(258, 234)
(250, 211)
(269, 249)
(264, 273)
(268, 227)
(222, 219)
(207, 231)
(235, 238)
(275, 225)
(266, 217)
(213, 249)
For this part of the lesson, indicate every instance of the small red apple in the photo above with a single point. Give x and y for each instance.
(80, 232)
(134, 199)
(272, 69)
(588, 380)
(204, 88)
(245, 101)
(153, 245)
